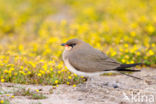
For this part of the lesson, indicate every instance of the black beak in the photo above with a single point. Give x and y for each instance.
(63, 44)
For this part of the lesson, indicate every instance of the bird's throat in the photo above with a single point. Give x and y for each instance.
(68, 48)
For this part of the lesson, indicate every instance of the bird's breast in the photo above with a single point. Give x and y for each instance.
(65, 55)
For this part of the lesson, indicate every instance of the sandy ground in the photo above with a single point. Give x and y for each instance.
(118, 89)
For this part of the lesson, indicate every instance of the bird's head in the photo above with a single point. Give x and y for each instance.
(72, 43)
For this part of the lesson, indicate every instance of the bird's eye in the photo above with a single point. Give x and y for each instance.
(72, 45)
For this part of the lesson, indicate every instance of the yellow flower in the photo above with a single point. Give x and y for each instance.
(51, 69)
(134, 25)
(29, 72)
(150, 29)
(75, 75)
(69, 77)
(39, 74)
(59, 66)
(121, 49)
(9, 71)
(59, 72)
(65, 67)
(74, 85)
(51, 62)
(1, 101)
(37, 90)
(32, 64)
(26, 69)
(123, 60)
(82, 76)
(150, 52)
(68, 83)
(12, 69)
(133, 34)
(12, 96)
(1, 64)
(126, 45)
(62, 70)
(6, 71)
(132, 62)
(45, 67)
(153, 45)
(56, 81)
(113, 53)
(69, 72)
(42, 72)
(21, 67)
(41, 61)
(20, 47)
(7, 95)
(2, 80)
(138, 53)
(48, 71)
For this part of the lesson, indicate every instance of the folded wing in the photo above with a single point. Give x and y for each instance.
(92, 60)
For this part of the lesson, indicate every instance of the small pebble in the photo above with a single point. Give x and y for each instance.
(115, 86)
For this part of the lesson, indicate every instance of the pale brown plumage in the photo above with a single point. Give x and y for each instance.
(85, 58)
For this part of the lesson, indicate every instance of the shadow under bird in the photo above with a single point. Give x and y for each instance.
(84, 60)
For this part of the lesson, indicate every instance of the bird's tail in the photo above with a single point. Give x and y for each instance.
(123, 66)
(131, 76)
(127, 70)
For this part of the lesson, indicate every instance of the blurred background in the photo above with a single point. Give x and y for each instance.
(31, 32)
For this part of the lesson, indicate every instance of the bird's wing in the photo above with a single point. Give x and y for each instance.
(92, 60)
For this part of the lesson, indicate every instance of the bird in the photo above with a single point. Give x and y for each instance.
(84, 60)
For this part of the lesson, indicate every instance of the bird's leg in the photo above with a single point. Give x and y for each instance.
(88, 80)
